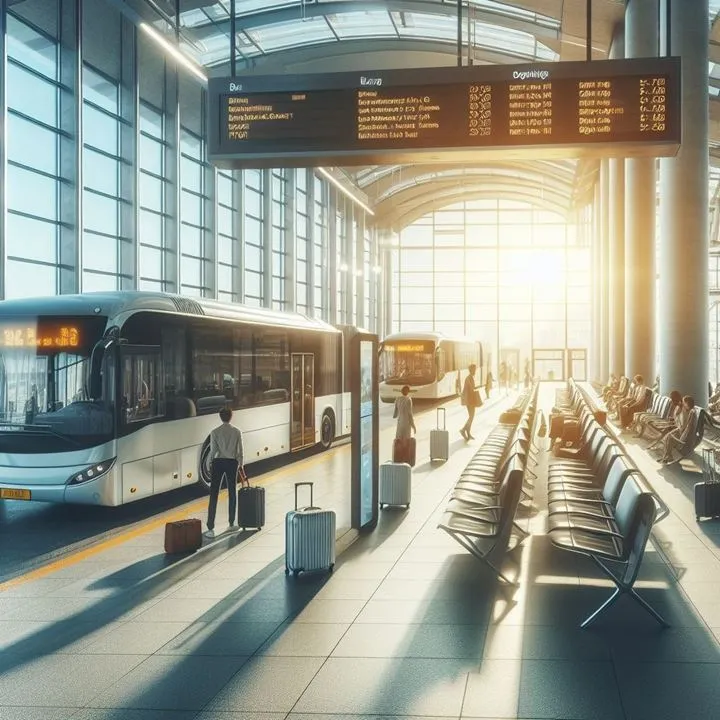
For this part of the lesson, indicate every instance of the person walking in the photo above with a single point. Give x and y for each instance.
(404, 414)
(488, 383)
(226, 458)
(469, 400)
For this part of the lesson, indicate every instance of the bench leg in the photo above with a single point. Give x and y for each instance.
(621, 589)
(470, 547)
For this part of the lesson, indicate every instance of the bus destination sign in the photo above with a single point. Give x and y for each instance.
(609, 107)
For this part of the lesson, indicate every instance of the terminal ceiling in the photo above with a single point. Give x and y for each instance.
(305, 36)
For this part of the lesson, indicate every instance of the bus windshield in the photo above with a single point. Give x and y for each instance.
(44, 385)
(408, 363)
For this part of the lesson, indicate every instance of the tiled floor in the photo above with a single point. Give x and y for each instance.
(408, 626)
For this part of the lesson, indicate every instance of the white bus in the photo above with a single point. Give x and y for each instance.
(106, 398)
(432, 365)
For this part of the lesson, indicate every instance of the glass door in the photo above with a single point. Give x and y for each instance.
(577, 363)
(302, 413)
(549, 364)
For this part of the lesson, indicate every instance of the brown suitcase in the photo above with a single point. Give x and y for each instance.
(183, 536)
(571, 432)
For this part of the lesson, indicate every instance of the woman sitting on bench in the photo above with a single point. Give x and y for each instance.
(644, 420)
(678, 438)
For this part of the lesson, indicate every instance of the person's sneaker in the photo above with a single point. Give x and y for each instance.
(209, 534)
(232, 527)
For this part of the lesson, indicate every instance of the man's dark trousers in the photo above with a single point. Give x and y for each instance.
(228, 468)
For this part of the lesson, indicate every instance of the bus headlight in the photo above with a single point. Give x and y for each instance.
(91, 472)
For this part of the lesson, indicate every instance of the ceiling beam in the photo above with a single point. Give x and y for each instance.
(290, 13)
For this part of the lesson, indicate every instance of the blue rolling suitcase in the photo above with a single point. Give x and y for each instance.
(309, 537)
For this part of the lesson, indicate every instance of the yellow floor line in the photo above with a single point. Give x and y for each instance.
(180, 514)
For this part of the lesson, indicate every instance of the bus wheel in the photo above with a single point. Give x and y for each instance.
(327, 430)
(204, 474)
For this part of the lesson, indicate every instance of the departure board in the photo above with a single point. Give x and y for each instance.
(612, 107)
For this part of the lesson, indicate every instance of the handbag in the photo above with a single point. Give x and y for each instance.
(476, 399)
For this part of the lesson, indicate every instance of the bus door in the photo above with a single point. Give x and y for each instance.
(302, 408)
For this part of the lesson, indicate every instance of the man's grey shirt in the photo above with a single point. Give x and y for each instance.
(226, 443)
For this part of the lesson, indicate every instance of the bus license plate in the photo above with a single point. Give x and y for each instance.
(14, 494)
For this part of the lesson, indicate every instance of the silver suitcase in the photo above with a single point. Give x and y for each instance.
(309, 537)
(395, 484)
(440, 439)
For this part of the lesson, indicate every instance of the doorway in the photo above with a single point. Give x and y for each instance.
(302, 407)
(549, 364)
(577, 364)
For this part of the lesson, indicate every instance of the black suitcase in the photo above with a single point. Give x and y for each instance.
(707, 499)
(404, 451)
(251, 507)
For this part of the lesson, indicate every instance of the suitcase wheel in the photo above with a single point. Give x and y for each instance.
(408, 506)
(381, 506)
(287, 572)
(331, 568)
(296, 573)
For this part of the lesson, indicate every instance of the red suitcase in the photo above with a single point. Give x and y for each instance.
(404, 451)
(183, 536)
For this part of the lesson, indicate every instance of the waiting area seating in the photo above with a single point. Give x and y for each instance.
(480, 515)
(601, 506)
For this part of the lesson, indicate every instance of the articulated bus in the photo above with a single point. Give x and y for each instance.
(106, 398)
(432, 365)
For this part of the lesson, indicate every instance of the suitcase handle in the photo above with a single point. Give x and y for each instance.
(444, 415)
(297, 485)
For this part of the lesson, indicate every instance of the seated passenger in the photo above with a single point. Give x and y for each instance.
(678, 437)
(642, 420)
(636, 402)
(611, 387)
(714, 402)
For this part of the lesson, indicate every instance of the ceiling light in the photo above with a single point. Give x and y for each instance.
(344, 190)
(173, 50)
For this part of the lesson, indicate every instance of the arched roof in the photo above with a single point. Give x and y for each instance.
(278, 36)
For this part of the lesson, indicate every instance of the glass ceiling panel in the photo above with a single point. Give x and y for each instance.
(291, 34)
(501, 8)
(247, 7)
(373, 23)
(426, 26)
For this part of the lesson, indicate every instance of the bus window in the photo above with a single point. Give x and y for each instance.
(141, 399)
(441, 369)
(271, 371)
(408, 362)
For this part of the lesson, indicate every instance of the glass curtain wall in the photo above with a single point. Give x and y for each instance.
(512, 275)
(151, 213)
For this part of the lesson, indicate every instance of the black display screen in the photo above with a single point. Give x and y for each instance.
(355, 118)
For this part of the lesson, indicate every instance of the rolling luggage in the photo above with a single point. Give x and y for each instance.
(309, 537)
(557, 424)
(707, 493)
(251, 507)
(183, 536)
(404, 451)
(440, 439)
(395, 484)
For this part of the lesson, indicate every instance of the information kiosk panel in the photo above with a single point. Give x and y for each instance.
(365, 436)
(620, 107)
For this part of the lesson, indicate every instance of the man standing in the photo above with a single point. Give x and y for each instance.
(469, 399)
(404, 414)
(226, 456)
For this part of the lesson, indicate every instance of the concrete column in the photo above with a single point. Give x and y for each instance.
(616, 246)
(684, 212)
(604, 287)
(616, 263)
(641, 40)
(595, 288)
